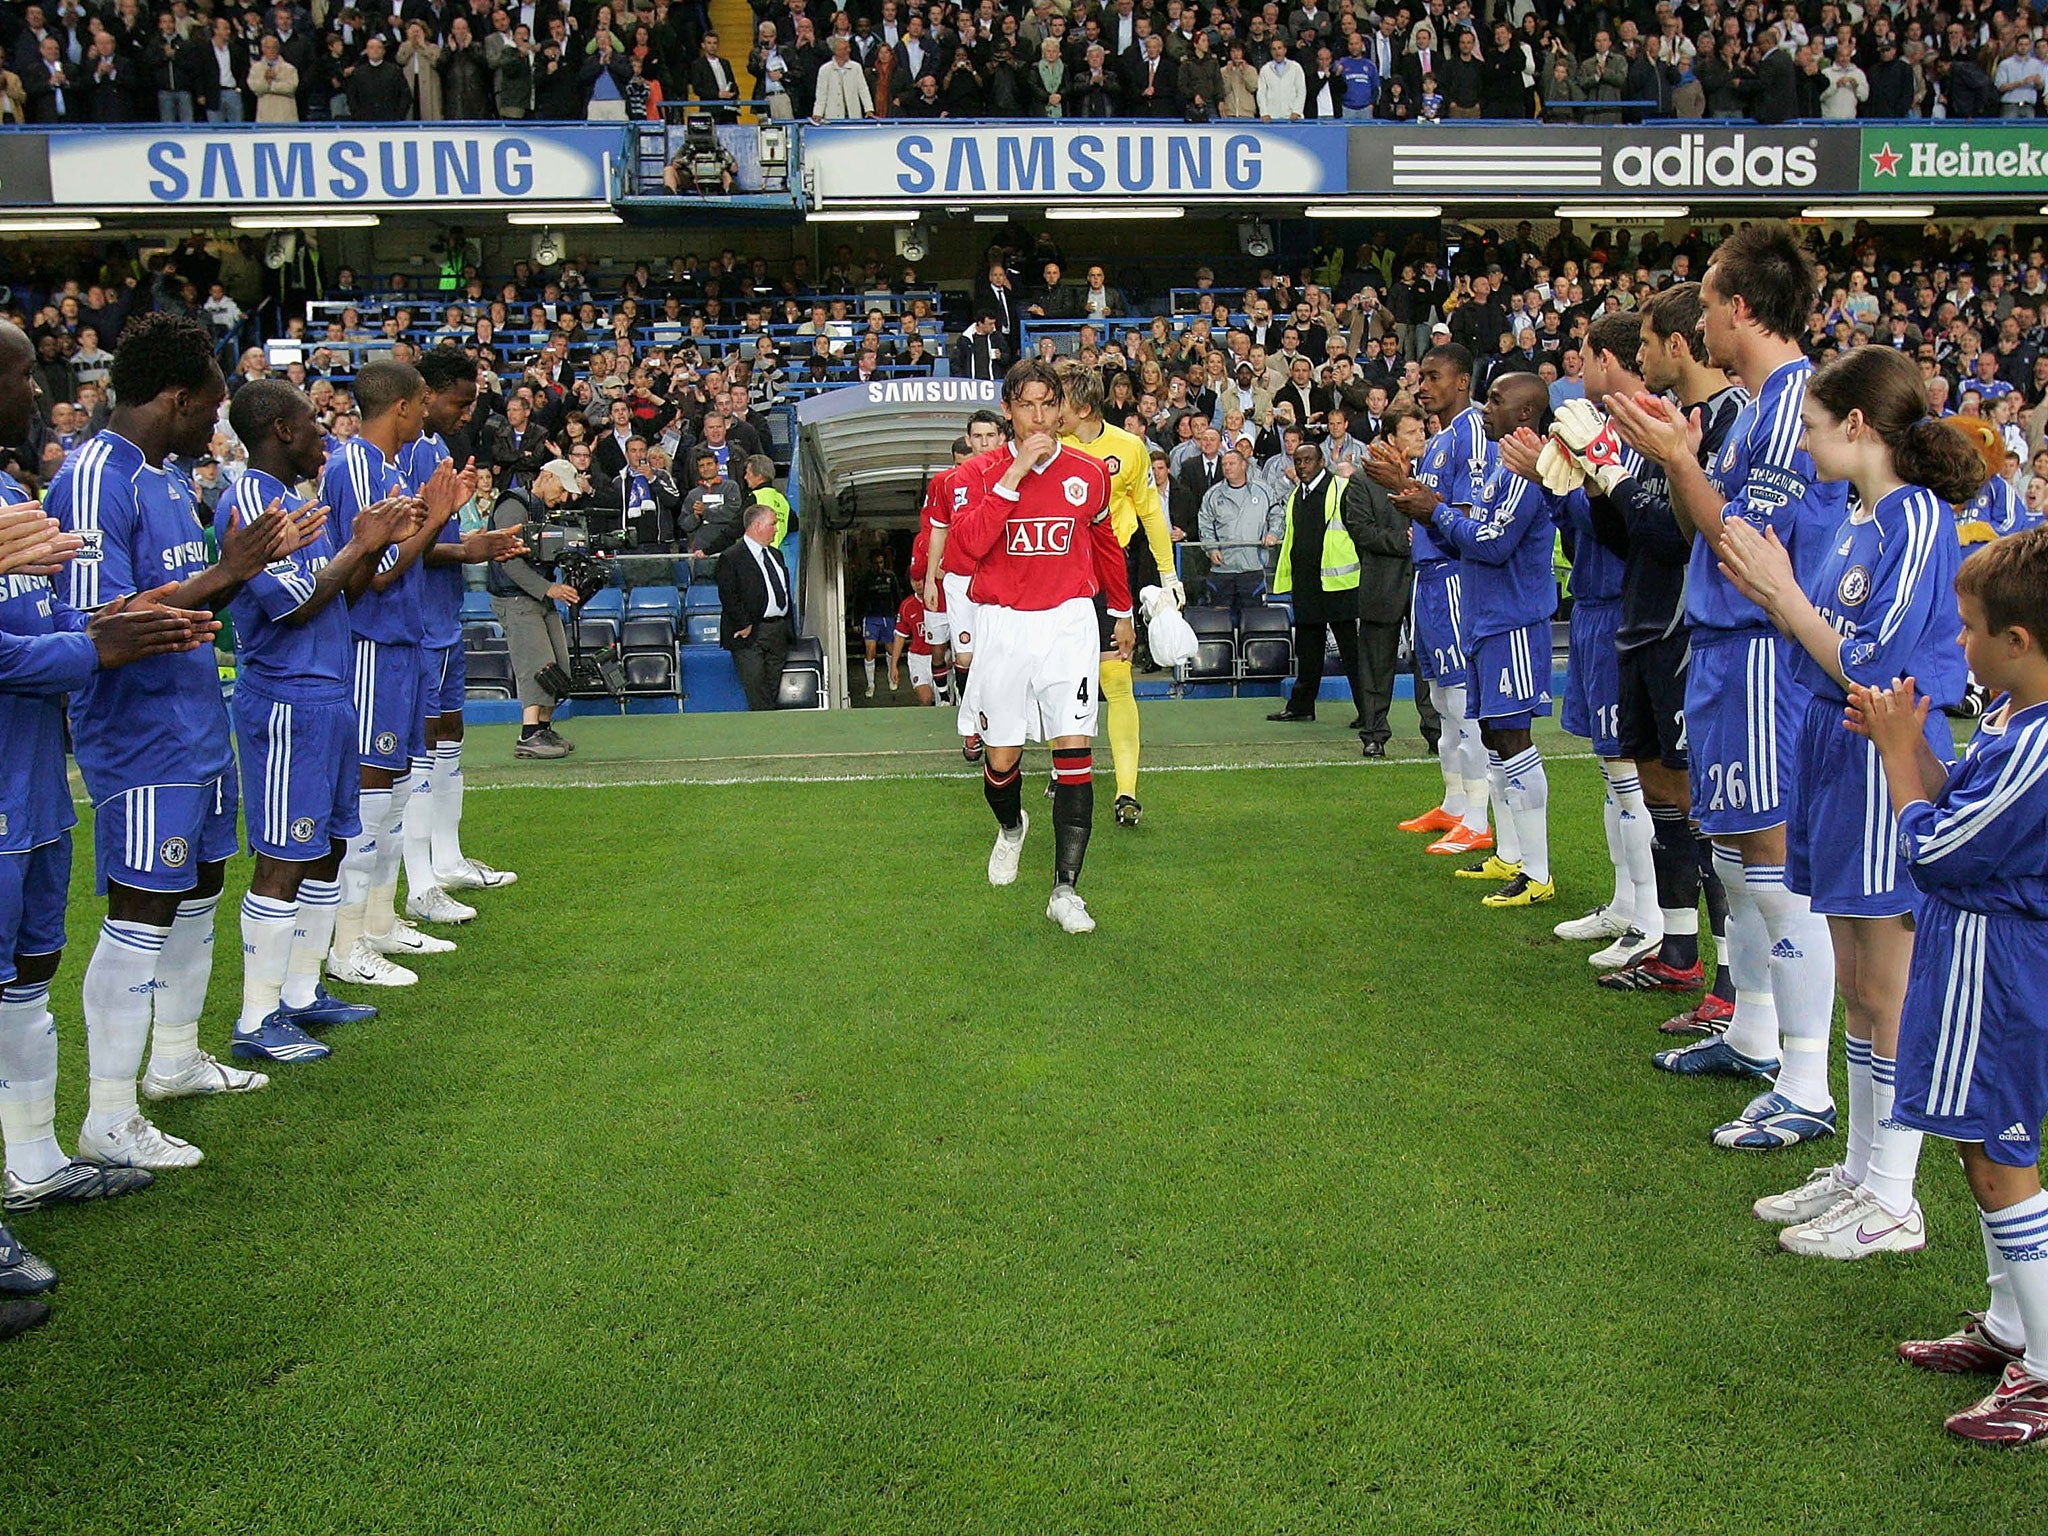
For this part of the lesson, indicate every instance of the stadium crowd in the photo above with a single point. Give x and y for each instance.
(435, 60)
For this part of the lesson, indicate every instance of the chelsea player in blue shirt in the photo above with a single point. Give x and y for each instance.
(388, 623)
(434, 861)
(1452, 469)
(1504, 545)
(152, 740)
(1744, 705)
(295, 725)
(1879, 605)
(47, 648)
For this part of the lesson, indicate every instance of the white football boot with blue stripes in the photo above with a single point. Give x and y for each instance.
(1771, 1121)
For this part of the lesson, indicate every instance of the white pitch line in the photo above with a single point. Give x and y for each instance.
(890, 778)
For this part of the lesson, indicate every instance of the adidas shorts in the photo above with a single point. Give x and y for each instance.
(1973, 1039)
(1653, 701)
(1034, 675)
(1439, 624)
(920, 670)
(300, 776)
(391, 727)
(879, 628)
(1592, 679)
(1508, 677)
(1742, 716)
(444, 675)
(1841, 838)
(155, 837)
(35, 886)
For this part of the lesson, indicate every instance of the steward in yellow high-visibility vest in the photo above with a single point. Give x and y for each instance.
(1326, 517)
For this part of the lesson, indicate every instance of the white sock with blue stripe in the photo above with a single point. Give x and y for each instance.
(1474, 763)
(1528, 796)
(1753, 1032)
(419, 826)
(1894, 1148)
(2002, 1318)
(1636, 835)
(1507, 839)
(319, 902)
(1862, 1109)
(119, 980)
(380, 908)
(1802, 960)
(2021, 1234)
(357, 865)
(183, 973)
(28, 1081)
(1447, 744)
(268, 929)
(448, 857)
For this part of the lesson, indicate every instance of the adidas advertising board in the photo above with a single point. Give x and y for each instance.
(1459, 160)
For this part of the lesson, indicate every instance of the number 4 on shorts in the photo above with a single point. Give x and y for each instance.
(1082, 696)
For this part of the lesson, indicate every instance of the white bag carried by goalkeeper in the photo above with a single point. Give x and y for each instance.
(1167, 635)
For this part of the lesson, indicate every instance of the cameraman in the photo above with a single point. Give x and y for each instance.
(523, 596)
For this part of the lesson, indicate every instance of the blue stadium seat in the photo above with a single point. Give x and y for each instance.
(701, 629)
(1265, 647)
(701, 600)
(653, 602)
(1216, 660)
(649, 648)
(483, 637)
(607, 604)
(476, 607)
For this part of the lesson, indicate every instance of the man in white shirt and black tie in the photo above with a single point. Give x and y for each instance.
(753, 597)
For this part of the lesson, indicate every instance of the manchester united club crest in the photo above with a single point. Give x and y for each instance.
(1077, 491)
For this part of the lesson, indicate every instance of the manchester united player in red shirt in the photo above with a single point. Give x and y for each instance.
(1035, 520)
(910, 633)
(942, 574)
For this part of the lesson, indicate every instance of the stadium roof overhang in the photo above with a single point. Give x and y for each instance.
(866, 451)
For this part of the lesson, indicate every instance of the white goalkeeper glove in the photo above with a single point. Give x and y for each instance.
(1560, 473)
(1177, 592)
(1586, 433)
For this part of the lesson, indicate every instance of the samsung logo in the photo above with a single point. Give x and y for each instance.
(1130, 161)
(237, 168)
(933, 391)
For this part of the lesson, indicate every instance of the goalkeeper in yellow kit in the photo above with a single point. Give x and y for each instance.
(1133, 504)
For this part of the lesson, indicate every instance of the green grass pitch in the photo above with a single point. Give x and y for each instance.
(755, 1167)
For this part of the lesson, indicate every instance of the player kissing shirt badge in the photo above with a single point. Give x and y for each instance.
(1076, 490)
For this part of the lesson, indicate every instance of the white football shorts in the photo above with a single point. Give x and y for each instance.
(1034, 676)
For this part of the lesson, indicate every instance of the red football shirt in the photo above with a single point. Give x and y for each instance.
(910, 625)
(1045, 543)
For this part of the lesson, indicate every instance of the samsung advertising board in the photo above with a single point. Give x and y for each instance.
(337, 166)
(1041, 161)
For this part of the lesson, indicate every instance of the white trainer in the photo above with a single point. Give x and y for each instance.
(434, 905)
(200, 1078)
(474, 875)
(135, 1143)
(404, 939)
(1068, 910)
(1008, 853)
(1600, 923)
(362, 966)
(1823, 1190)
(1625, 950)
(1855, 1227)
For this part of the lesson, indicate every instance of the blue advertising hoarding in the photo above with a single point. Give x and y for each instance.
(1037, 160)
(336, 164)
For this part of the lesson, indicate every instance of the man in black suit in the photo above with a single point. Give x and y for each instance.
(997, 295)
(1152, 82)
(712, 81)
(753, 608)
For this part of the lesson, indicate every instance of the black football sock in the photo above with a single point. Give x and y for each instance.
(528, 732)
(1003, 793)
(1717, 919)
(960, 670)
(1073, 811)
(942, 685)
(1678, 886)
